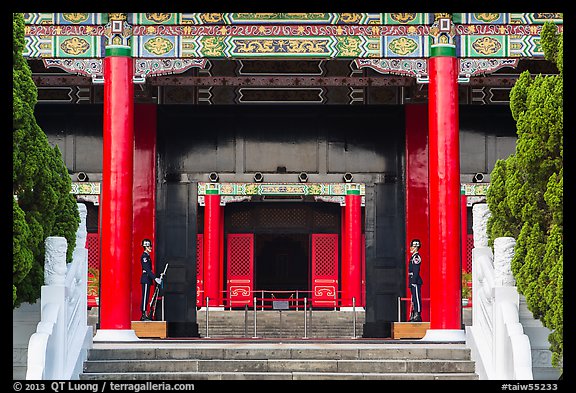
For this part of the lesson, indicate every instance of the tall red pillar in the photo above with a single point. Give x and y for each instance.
(117, 178)
(352, 256)
(221, 293)
(212, 243)
(444, 175)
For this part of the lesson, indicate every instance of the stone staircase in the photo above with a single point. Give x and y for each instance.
(281, 324)
(248, 359)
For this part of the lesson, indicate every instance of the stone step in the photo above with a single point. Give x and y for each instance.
(275, 376)
(276, 324)
(282, 365)
(255, 359)
(153, 349)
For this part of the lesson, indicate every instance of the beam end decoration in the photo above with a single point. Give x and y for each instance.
(442, 36)
(418, 68)
(408, 67)
(155, 67)
(118, 35)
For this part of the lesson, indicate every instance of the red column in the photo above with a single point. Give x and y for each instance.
(144, 197)
(344, 302)
(212, 245)
(444, 172)
(221, 293)
(351, 263)
(116, 207)
(463, 230)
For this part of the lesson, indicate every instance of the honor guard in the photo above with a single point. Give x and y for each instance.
(148, 277)
(415, 280)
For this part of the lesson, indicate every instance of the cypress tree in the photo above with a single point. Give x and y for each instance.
(43, 205)
(526, 194)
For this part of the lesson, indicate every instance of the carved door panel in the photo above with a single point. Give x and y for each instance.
(324, 257)
(240, 277)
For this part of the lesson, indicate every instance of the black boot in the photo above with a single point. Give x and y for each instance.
(411, 316)
(144, 317)
(417, 317)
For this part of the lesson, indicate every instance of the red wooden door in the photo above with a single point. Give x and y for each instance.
(240, 281)
(200, 299)
(324, 256)
(363, 286)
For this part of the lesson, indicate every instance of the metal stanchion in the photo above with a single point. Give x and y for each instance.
(245, 320)
(297, 300)
(354, 316)
(310, 319)
(207, 307)
(255, 336)
(305, 319)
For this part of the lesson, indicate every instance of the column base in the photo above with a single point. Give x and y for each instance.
(115, 335)
(445, 335)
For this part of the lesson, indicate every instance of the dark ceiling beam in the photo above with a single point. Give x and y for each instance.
(272, 81)
(284, 81)
(61, 80)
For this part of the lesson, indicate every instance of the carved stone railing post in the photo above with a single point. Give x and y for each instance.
(480, 215)
(55, 260)
(503, 254)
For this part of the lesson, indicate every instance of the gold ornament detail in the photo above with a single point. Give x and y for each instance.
(158, 46)
(550, 15)
(75, 46)
(211, 18)
(76, 17)
(213, 46)
(350, 18)
(349, 46)
(117, 16)
(442, 15)
(486, 45)
(487, 16)
(403, 17)
(402, 46)
(282, 45)
(158, 17)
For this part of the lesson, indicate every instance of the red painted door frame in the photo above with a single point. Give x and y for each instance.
(144, 194)
(417, 201)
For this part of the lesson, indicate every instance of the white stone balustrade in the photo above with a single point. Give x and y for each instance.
(496, 338)
(59, 347)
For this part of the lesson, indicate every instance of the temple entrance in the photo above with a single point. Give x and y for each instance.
(282, 262)
(282, 250)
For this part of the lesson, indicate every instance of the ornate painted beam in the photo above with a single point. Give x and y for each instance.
(268, 18)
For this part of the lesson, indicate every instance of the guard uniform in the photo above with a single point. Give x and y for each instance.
(415, 282)
(147, 278)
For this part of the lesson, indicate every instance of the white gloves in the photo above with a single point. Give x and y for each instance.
(158, 281)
